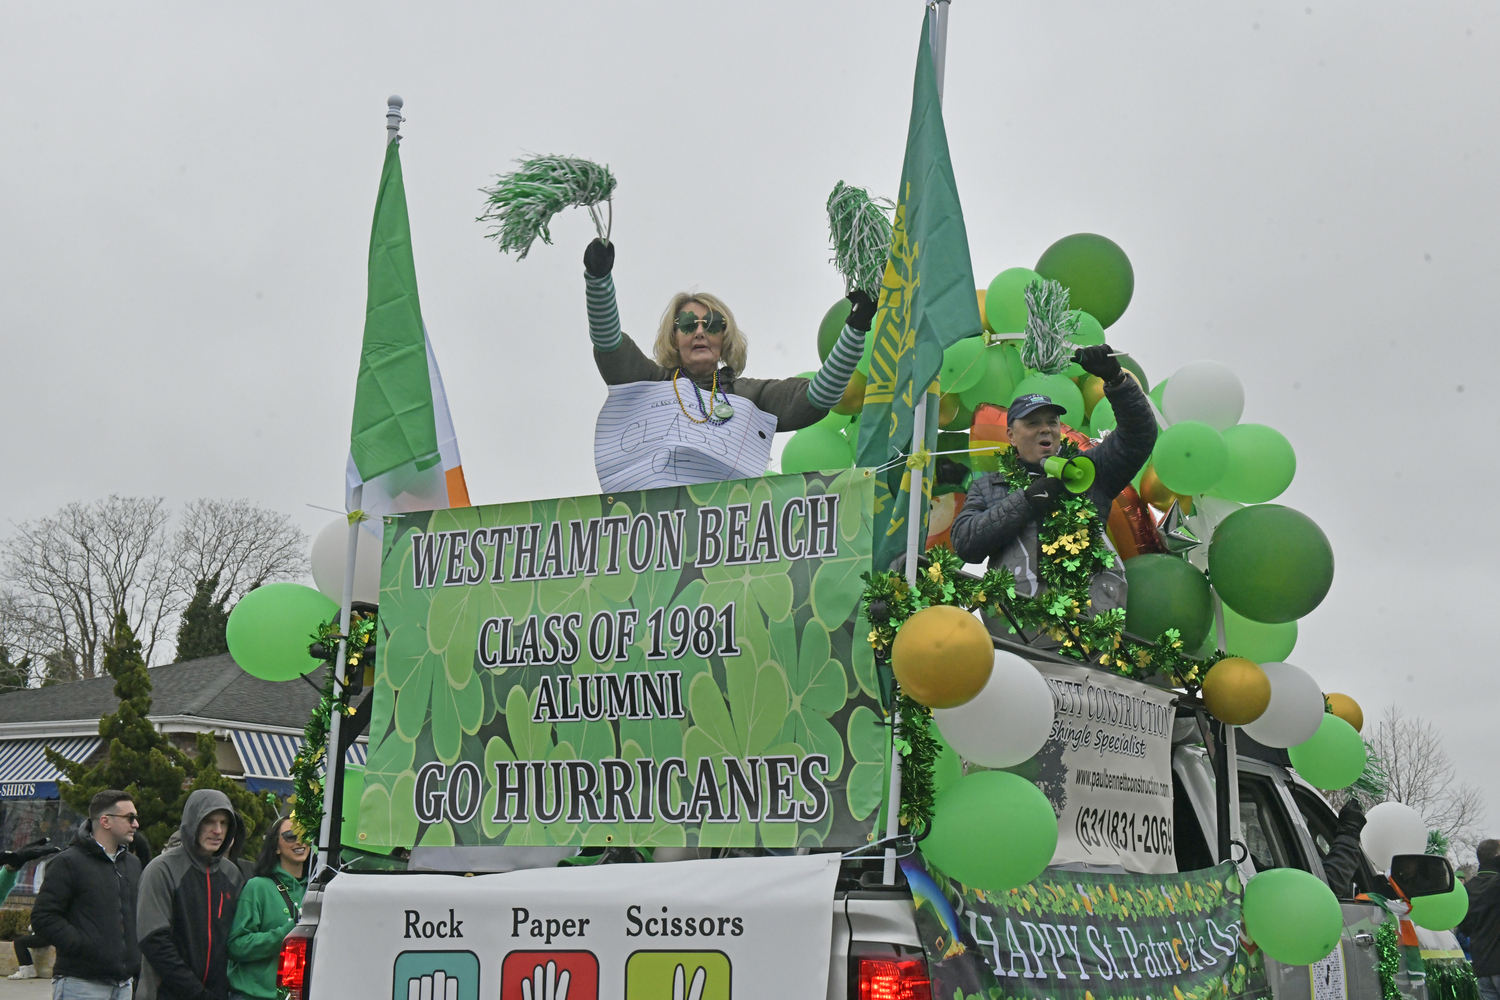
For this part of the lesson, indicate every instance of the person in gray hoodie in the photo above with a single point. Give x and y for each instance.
(187, 900)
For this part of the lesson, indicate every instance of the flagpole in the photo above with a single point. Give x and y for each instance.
(937, 14)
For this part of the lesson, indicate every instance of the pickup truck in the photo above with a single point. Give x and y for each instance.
(876, 949)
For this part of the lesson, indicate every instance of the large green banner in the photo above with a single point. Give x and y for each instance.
(673, 667)
(1077, 935)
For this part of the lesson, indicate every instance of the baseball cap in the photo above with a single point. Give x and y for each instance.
(1030, 403)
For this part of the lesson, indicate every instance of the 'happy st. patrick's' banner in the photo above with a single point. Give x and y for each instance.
(1073, 935)
(657, 668)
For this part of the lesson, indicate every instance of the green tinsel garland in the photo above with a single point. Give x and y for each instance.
(307, 783)
(919, 752)
(1050, 328)
(1437, 843)
(1451, 979)
(1388, 958)
(859, 228)
(1373, 782)
(522, 203)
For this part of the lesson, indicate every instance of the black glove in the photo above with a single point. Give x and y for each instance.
(862, 312)
(1096, 360)
(1045, 493)
(599, 259)
(1352, 818)
(32, 851)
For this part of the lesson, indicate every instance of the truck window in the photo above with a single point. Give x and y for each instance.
(1188, 841)
(1323, 825)
(1268, 835)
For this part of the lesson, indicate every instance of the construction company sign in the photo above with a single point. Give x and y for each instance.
(671, 667)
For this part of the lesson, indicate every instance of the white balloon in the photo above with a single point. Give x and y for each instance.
(1206, 391)
(328, 555)
(1392, 828)
(1296, 708)
(1007, 722)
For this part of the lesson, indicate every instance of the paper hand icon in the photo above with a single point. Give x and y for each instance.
(548, 986)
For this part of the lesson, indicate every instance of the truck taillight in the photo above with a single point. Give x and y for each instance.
(291, 974)
(888, 977)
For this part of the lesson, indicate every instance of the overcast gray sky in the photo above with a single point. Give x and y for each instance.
(1307, 194)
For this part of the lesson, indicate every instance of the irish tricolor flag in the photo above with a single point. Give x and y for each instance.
(402, 448)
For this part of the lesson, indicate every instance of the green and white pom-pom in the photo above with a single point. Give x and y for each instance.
(859, 227)
(522, 203)
(1049, 328)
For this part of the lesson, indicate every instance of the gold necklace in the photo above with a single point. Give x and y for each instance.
(720, 411)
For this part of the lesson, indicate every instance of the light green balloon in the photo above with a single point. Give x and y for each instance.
(1443, 912)
(271, 627)
(992, 830)
(1334, 758)
(1103, 417)
(963, 365)
(1058, 388)
(1190, 457)
(948, 768)
(815, 448)
(995, 384)
(1292, 915)
(832, 325)
(1261, 464)
(1005, 300)
(1270, 563)
(1089, 330)
(1156, 392)
(1257, 641)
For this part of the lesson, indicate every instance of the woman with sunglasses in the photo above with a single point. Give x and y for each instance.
(268, 908)
(701, 351)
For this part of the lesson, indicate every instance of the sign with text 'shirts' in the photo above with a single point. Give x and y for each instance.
(670, 667)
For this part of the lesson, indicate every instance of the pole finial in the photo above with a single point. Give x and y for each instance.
(393, 118)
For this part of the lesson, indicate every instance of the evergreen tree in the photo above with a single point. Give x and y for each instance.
(14, 674)
(203, 623)
(140, 760)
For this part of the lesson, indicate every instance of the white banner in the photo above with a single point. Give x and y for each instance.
(644, 440)
(1107, 769)
(746, 928)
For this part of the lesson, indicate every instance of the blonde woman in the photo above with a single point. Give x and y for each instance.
(643, 440)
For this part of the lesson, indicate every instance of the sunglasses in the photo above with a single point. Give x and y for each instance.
(688, 322)
(132, 818)
(290, 836)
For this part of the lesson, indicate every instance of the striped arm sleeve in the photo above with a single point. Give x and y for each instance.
(604, 315)
(827, 387)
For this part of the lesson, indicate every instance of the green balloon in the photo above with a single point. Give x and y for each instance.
(1167, 592)
(948, 767)
(271, 627)
(1094, 270)
(992, 830)
(1103, 417)
(1334, 758)
(1058, 388)
(1292, 915)
(1089, 330)
(834, 421)
(995, 385)
(1131, 365)
(1155, 393)
(1005, 300)
(964, 365)
(1270, 563)
(833, 325)
(1257, 641)
(1442, 912)
(815, 448)
(1189, 457)
(1261, 464)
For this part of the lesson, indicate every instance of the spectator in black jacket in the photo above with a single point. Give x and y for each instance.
(1483, 921)
(87, 903)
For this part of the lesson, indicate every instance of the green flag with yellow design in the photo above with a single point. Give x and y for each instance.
(927, 303)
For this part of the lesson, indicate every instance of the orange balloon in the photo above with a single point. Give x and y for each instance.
(1236, 691)
(942, 656)
(1348, 709)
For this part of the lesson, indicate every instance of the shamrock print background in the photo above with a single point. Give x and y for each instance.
(713, 690)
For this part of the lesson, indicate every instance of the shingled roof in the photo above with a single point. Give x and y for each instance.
(213, 689)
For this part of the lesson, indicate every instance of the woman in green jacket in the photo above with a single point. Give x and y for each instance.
(269, 906)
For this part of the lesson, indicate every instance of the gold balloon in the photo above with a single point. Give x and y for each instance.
(942, 656)
(1348, 709)
(1092, 387)
(1236, 691)
(853, 399)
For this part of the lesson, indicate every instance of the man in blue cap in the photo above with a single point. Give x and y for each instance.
(999, 524)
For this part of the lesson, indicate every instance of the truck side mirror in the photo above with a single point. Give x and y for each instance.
(1421, 875)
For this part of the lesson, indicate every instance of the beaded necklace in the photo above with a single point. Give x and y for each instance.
(721, 412)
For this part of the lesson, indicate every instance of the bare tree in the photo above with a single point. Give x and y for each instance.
(241, 544)
(1420, 773)
(68, 574)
